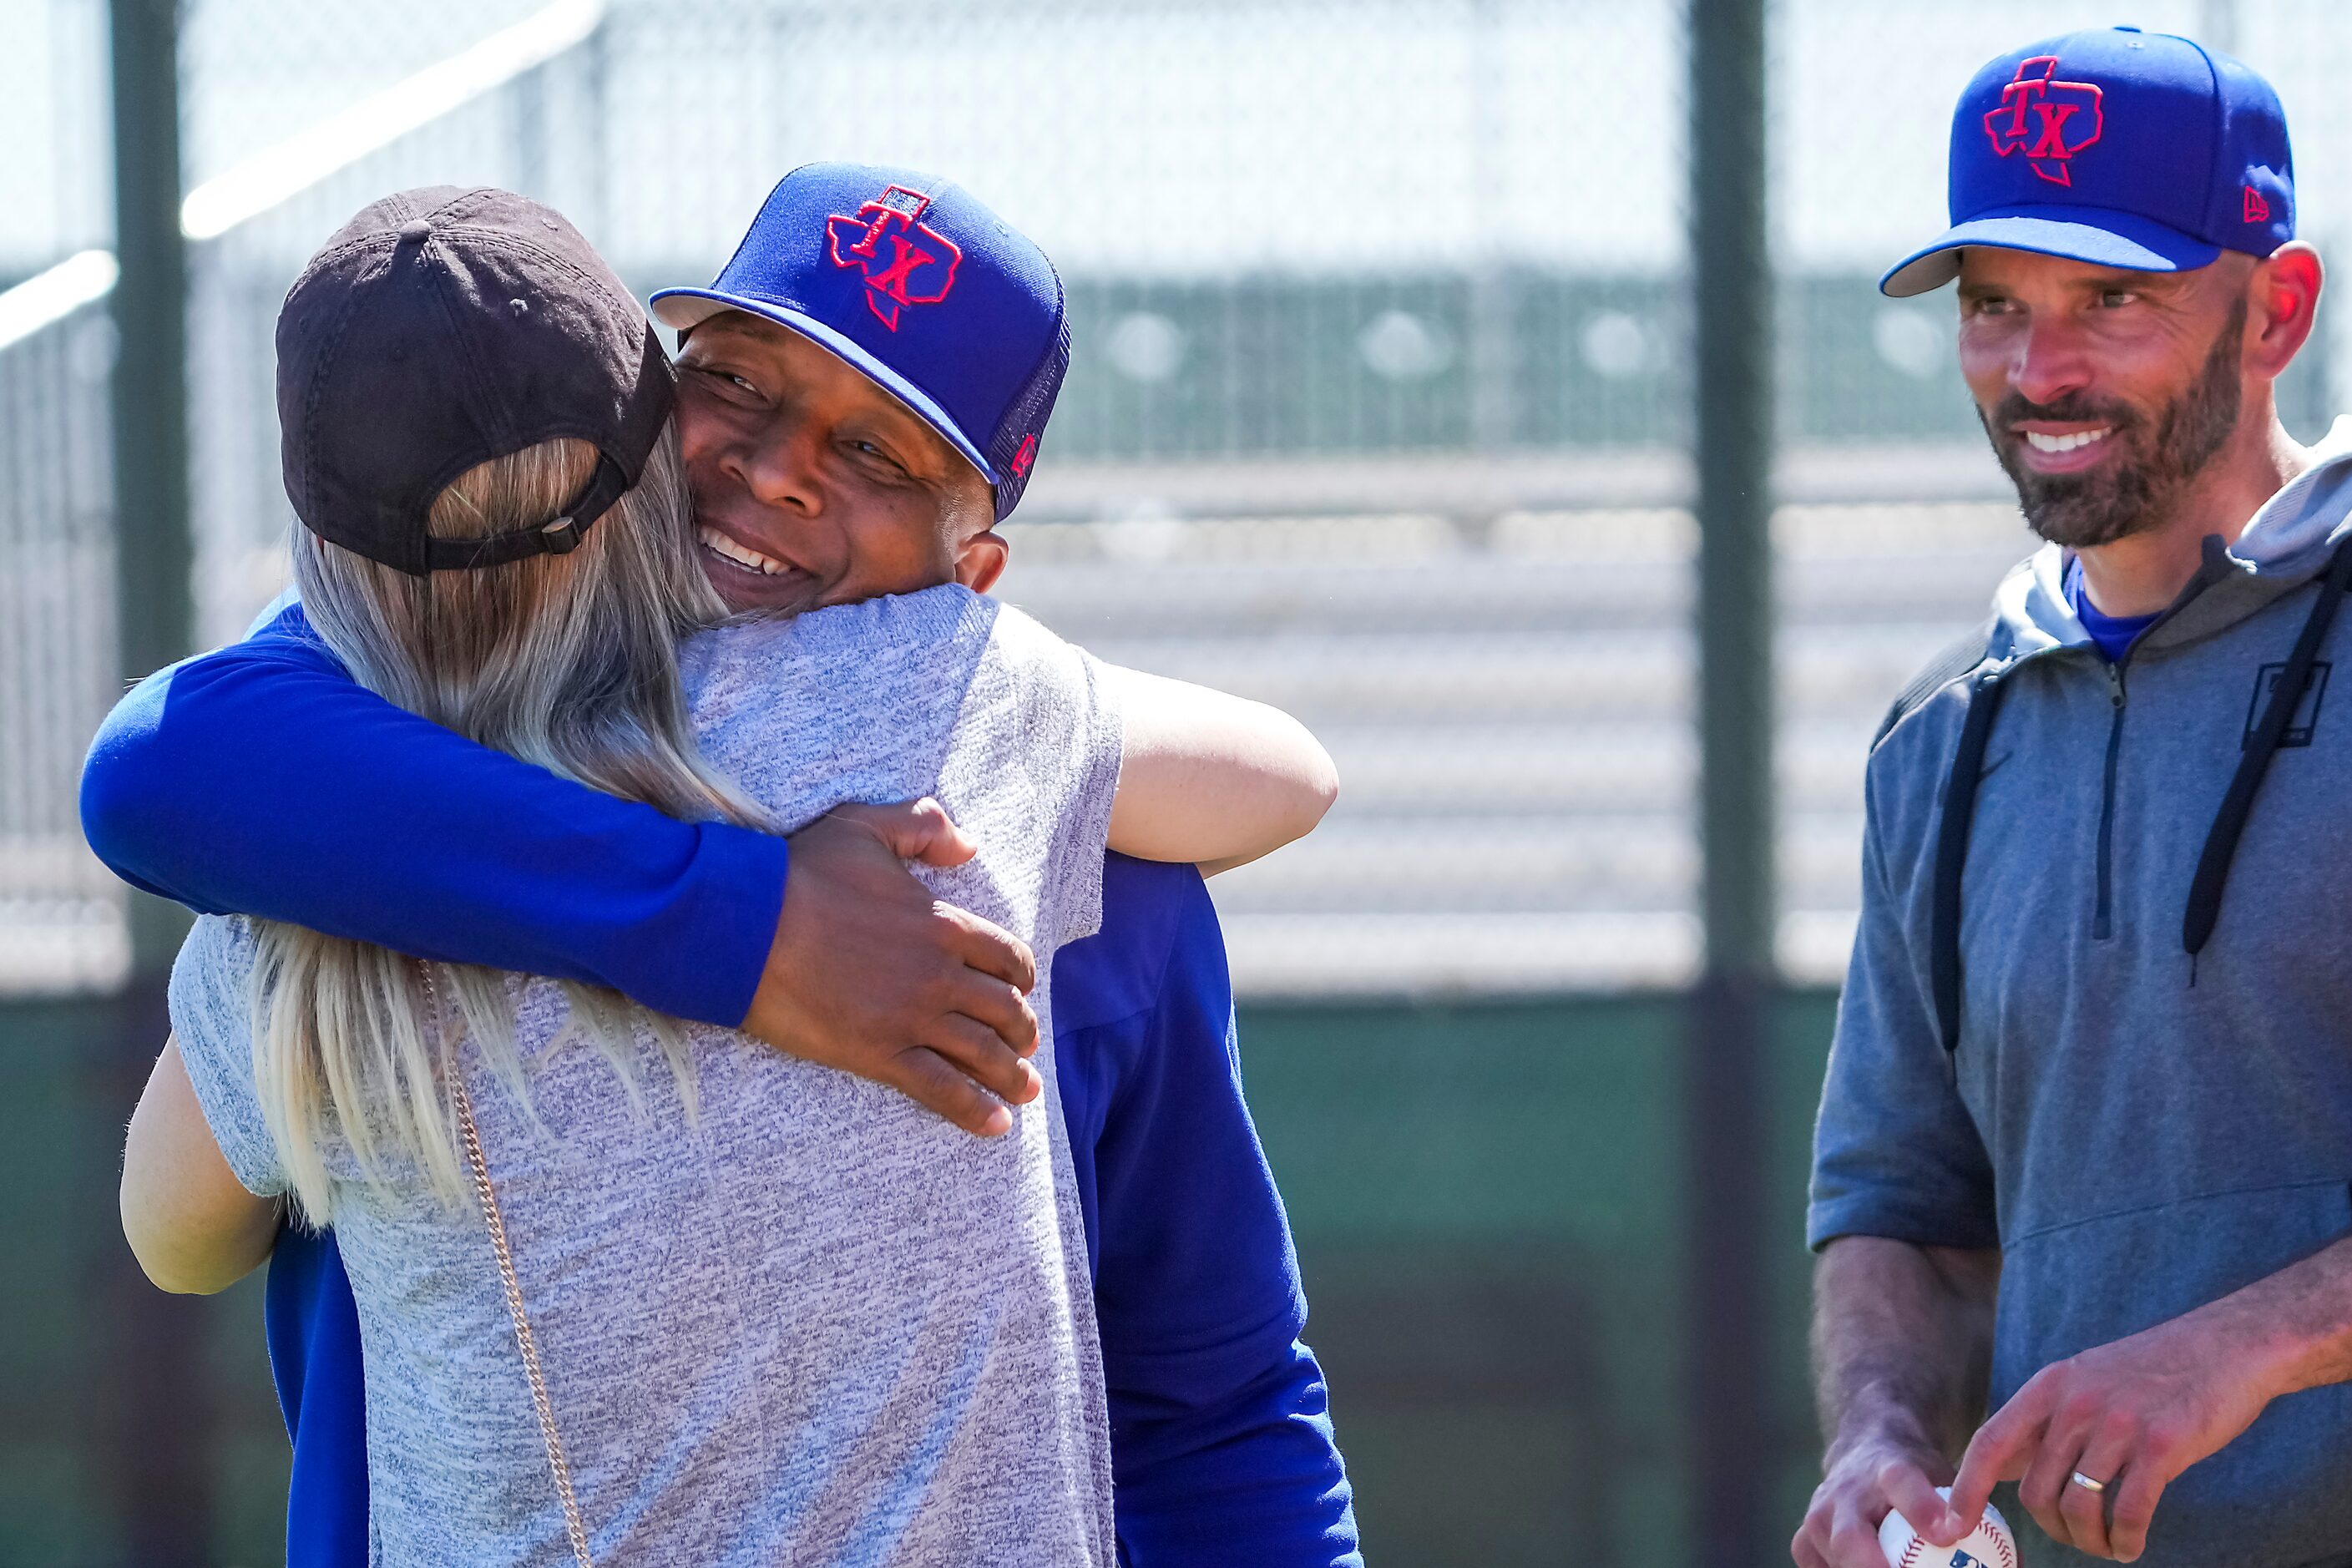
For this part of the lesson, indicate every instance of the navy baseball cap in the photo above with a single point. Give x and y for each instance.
(2117, 147)
(909, 279)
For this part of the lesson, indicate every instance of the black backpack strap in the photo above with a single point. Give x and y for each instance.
(1963, 658)
(1953, 660)
(2287, 696)
(1985, 692)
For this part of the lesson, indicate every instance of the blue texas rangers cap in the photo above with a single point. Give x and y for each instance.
(2117, 147)
(912, 280)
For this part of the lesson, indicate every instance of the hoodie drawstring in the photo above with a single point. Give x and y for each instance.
(2287, 696)
(2204, 912)
(1985, 692)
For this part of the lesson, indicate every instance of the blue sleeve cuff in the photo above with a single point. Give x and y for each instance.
(1252, 1481)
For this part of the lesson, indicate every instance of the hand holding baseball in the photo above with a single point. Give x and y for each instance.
(1870, 1481)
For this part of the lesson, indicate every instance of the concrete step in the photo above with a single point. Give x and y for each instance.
(1419, 678)
(1564, 570)
(1486, 767)
(49, 945)
(1526, 862)
(1436, 957)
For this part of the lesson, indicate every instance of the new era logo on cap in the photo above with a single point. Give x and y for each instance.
(911, 281)
(2047, 120)
(2123, 149)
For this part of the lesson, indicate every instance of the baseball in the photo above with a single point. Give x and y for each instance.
(1987, 1546)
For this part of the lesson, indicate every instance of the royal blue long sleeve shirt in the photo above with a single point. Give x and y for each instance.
(259, 779)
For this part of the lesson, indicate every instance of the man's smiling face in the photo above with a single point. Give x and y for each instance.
(2106, 392)
(811, 485)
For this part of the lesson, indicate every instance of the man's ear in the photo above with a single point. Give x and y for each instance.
(2283, 306)
(981, 562)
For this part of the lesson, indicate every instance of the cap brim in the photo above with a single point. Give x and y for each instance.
(684, 308)
(2096, 235)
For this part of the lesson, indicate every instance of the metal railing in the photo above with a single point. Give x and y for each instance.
(60, 913)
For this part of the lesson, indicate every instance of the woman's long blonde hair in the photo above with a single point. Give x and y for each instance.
(568, 661)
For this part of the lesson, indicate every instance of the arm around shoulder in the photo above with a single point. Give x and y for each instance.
(1212, 778)
(261, 779)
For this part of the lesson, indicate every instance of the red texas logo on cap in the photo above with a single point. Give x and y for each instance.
(2057, 128)
(884, 241)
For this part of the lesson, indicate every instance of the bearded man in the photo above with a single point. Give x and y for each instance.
(2085, 1155)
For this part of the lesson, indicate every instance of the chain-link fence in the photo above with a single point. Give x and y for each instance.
(1379, 396)
(1378, 408)
(60, 913)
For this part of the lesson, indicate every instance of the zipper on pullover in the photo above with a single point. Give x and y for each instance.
(2102, 924)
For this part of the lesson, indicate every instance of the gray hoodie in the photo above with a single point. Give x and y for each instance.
(2140, 1129)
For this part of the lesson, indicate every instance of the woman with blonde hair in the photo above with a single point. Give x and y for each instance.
(631, 1289)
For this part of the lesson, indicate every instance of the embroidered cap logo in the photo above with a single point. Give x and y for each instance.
(2050, 119)
(906, 261)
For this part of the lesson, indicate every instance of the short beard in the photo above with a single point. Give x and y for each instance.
(2139, 493)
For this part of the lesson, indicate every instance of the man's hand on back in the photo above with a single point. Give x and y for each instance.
(870, 974)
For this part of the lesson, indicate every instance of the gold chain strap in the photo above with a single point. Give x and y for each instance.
(524, 1342)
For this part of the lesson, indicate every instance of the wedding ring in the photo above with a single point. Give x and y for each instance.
(2086, 1483)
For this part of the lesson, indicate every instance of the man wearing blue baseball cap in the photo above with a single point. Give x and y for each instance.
(882, 350)
(2085, 1154)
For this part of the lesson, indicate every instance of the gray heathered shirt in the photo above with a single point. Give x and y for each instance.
(818, 1325)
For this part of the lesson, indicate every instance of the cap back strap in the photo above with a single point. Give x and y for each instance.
(606, 485)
